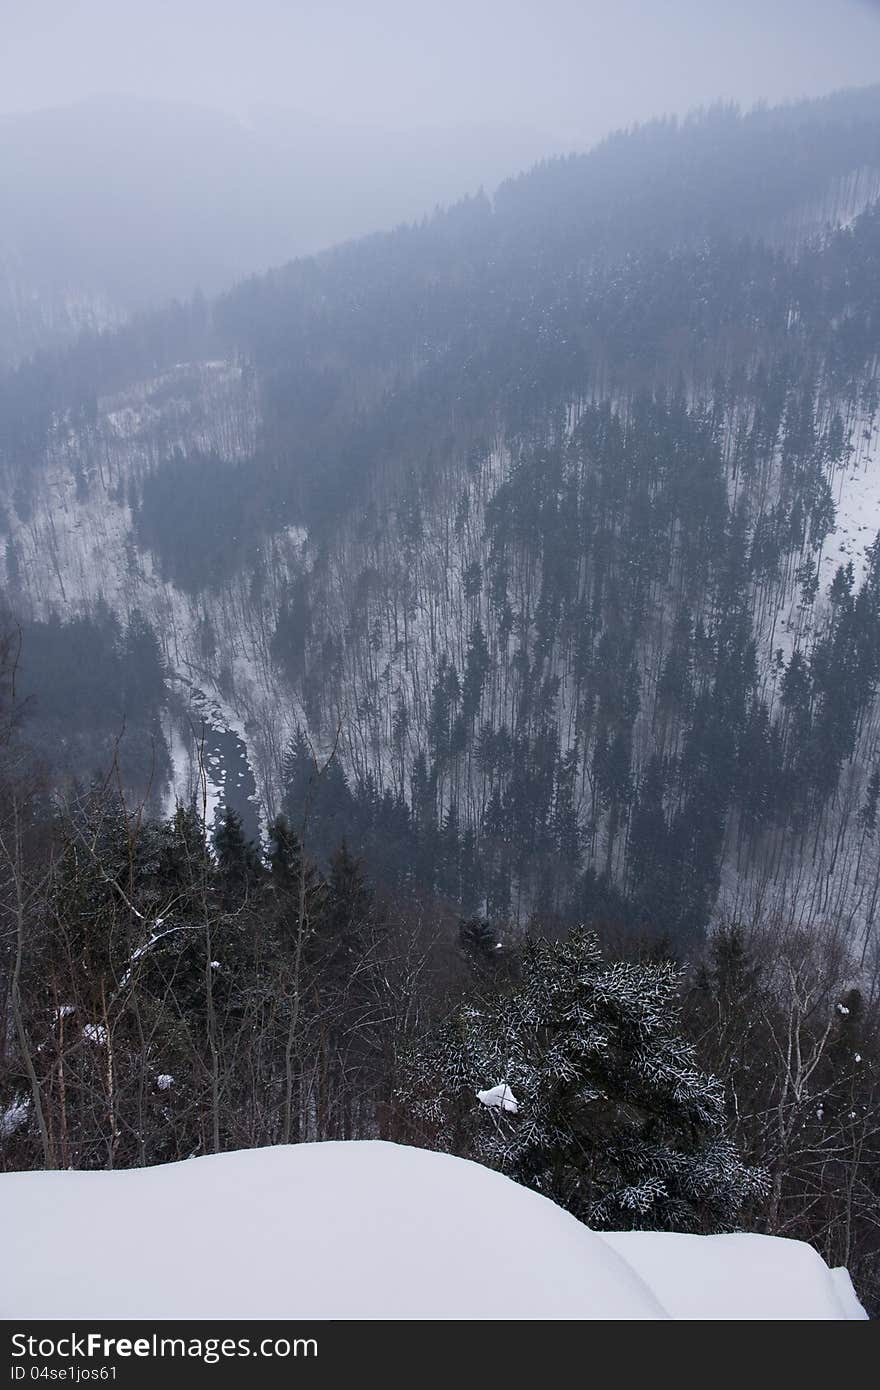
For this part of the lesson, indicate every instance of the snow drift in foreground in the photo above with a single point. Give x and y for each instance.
(368, 1230)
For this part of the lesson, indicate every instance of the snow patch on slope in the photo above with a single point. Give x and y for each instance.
(857, 506)
(74, 546)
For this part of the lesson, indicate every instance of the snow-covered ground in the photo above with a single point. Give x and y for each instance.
(390, 607)
(76, 547)
(856, 490)
(369, 1230)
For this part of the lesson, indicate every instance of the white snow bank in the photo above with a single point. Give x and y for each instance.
(363, 1230)
(738, 1276)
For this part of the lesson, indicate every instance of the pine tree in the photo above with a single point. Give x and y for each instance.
(237, 859)
(297, 889)
(615, 1120)
(285, 854)
(476, 670)
(143, 668)
(479, 939)
(349, 901)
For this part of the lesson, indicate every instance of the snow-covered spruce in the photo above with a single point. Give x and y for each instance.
(612, 1118)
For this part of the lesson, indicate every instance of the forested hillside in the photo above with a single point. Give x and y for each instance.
(558, 508)
(453, 661)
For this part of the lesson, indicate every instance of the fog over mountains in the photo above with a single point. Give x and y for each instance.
(114, 205)
(440, 643)
(244, 140)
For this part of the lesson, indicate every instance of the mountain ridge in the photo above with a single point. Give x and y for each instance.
(518, 514)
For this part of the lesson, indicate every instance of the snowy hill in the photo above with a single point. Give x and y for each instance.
(505, 508)
(370, 1230)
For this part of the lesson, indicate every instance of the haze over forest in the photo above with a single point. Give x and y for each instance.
(440, 607)
(149, 150)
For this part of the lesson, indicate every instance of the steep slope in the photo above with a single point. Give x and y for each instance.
(543, 508)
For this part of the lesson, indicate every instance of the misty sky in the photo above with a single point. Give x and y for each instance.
(572, 68)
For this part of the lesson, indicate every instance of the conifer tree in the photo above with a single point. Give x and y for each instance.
(615, 1120)
(237, 859)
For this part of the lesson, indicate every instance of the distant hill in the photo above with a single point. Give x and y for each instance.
(117, 204)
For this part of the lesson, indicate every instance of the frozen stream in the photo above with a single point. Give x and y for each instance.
(210, 759)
